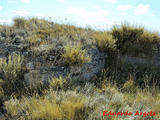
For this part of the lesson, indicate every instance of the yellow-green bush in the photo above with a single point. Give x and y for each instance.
(74, 54)
(135, 41)
(104, 41)
(11, 71)
(12, 106)
(58, 83)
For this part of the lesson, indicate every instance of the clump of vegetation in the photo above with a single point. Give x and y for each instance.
(135, 41)
(12, 73)
(31, 23)
(104, 41)
(129, 86)
(107, 44)
(58, 83)
(20, 23)
(65, 106)
(33, 40)
(74, 54)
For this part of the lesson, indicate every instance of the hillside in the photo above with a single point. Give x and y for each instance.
(51, 71)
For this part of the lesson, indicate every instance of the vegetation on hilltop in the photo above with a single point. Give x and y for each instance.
(117, 88)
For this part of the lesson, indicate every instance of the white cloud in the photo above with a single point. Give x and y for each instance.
(142, 9)
(83, 13)
(25, 1)
(111, 1)
(22, 13)
(98, 17)
(60, 1)
(0, 7)
(123, 7)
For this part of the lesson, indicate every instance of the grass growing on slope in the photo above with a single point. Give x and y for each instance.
(86, 103)
(74, 54)
(135, 41)
(52, 106)
(104, 41)
(12, 72)
(42, 30)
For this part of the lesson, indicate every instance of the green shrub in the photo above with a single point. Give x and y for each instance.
(135, 41)
(73, 54)
(12, 73)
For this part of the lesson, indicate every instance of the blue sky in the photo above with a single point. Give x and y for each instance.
(96, 13)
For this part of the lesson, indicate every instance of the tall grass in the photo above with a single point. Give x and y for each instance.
(64, 106)
(74, 54)
(135, 41)
(79, 105)
(12, 73)
(104, 41)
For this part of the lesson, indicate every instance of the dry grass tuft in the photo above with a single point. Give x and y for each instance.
(49, 107)
(104, 41)
(12, 70)
(74, 54)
